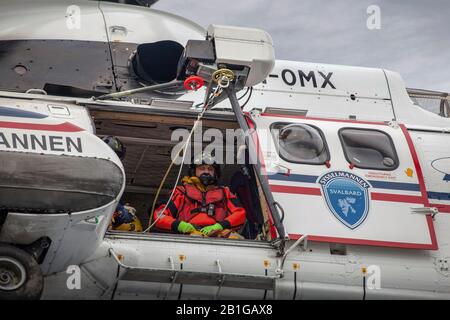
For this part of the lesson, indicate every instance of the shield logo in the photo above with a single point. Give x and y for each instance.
(346, 196)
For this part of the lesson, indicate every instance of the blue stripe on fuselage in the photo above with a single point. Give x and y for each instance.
(439, 195)
(293, 177)
(395, 185)
(374, 183)
(13, 112)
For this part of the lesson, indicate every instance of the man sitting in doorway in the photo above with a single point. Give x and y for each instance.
(201, 205)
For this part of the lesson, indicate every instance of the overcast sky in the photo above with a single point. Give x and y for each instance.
(414, 38)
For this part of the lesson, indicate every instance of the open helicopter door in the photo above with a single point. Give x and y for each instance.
(345, 181)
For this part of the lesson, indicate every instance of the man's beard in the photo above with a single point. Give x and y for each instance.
(208, 179)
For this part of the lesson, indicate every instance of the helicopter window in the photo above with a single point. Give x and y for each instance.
(300, 143)
(369, 149)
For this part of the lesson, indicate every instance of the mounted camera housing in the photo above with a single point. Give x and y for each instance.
(247, 52)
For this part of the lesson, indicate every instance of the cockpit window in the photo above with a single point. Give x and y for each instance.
(300, 143)
(369, 149)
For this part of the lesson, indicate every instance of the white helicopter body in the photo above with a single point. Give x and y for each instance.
(366, 217)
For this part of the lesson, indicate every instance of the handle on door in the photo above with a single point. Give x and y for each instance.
(117, 29)
(278, 168)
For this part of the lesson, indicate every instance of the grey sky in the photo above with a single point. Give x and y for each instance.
(414, 38)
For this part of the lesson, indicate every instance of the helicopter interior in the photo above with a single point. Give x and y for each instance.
(149, 146)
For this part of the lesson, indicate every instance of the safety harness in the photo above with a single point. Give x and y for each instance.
(212, 202)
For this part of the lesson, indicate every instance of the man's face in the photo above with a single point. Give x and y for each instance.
(204, 168)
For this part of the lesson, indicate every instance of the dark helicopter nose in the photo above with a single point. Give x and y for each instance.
(40, 182)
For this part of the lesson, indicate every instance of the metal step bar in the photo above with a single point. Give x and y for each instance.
(185, 277)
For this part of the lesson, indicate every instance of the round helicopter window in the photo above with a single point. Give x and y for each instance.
(301, 143)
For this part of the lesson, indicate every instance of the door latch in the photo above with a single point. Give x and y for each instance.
(425, 210)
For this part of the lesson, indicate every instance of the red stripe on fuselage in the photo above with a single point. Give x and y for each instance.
(367, 242)
(296, 190)
(415, 158)
(259, 154)
(423, 188)
(374, 195)
(395, 197)
(63, 127)
(441, 207)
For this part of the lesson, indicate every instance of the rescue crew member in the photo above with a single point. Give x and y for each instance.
(200, 204)
(124, 218)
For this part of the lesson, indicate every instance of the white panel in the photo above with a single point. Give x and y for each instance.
(335, 80)
(310, 214)
(63, 19)
(327, 106)
(142, 25)
(435, 161)
(408, 112)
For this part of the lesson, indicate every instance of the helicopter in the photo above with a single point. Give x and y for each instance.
(349, 178)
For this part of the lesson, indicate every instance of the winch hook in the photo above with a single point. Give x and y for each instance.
(223, 77)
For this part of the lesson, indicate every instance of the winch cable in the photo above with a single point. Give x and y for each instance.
(207, 102)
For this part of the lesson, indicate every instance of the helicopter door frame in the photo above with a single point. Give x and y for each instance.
(420, 198)
(101, 112)
(254, 136)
